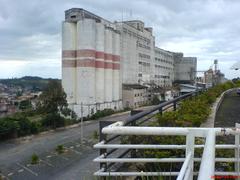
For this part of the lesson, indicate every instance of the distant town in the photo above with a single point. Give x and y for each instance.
(19, 94)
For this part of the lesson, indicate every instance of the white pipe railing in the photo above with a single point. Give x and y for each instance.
(101, 145)
(207, 166)
(185, 167)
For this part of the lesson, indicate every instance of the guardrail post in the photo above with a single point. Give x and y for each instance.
(175, 106)
(190, 142)
(237, 165)
(133, 138)
(103, 137)
(160, 110)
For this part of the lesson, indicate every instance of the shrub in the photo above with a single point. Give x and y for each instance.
(8, 128)
(103, 113)
(60, 149)
(34, 159)
(25, 126)
(95, 134)
(35, 127)
(53, 120)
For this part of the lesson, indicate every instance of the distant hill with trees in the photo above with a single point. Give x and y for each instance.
(28, 82)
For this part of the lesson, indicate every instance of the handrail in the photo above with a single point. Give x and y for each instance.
(182, 173)
(157, 107)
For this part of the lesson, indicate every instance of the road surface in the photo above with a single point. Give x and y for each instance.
(229, 111)
(76, 162)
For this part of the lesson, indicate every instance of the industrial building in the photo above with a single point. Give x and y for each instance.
(90, 62)
(100, 57)
(137, 52)
(135, 95)
(163, 67)
(185, 69)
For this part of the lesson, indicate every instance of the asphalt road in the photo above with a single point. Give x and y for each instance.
(229, 111)
(75, 163)
(227, 115)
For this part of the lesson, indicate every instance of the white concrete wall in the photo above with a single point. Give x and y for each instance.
(108, 75)
(99, 76)
(68, 69)
(86, 40)
(164, 67)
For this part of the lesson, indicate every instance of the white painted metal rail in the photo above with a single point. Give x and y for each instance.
(207, 162)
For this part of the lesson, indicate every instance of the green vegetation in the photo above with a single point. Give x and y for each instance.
(95, 134)
(29, 82)
(103, 113)
(26, 104)
(60, 149)
(34, 159)
(50, 114)
(192, 112)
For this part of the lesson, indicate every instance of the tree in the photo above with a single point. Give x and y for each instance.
(53, 103)
(53, 99)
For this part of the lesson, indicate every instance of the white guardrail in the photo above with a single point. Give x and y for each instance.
(207, 162)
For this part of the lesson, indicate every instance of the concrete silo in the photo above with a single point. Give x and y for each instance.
(90, 62)
(116, 68)
(108, 66)
(69, 40)
(99, 64)
(86, 31)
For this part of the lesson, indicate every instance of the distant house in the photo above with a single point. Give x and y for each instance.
(187, 88)
(134, 95)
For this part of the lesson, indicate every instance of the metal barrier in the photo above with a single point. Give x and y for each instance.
(207, 167)
(110, 143)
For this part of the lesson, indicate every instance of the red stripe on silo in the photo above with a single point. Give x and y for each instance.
(86, 53)
(69, 63)
(68, 54)
(116, 66)
(108, 56)
(108, 65)
(115, 58)
(99, 64)
(85, 63)
(99, 55)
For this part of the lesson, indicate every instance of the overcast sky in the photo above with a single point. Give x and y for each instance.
(30, 31)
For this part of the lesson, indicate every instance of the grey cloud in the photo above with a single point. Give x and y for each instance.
(207, 29)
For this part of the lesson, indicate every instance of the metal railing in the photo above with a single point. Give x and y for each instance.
(207, 162)
(114, 152)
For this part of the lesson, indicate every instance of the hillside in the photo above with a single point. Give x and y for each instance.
(27, 82)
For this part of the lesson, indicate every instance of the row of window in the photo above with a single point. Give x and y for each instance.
(137, 95)
(166, 54)
(161, 76)
(163, 67)
(164, 61)
(144, 63)
(143, 46)
(145, 56)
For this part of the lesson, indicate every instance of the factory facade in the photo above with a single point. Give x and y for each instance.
(100, 57)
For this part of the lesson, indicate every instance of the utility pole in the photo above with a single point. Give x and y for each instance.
(81, 123)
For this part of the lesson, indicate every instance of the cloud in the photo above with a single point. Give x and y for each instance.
(208, 29)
